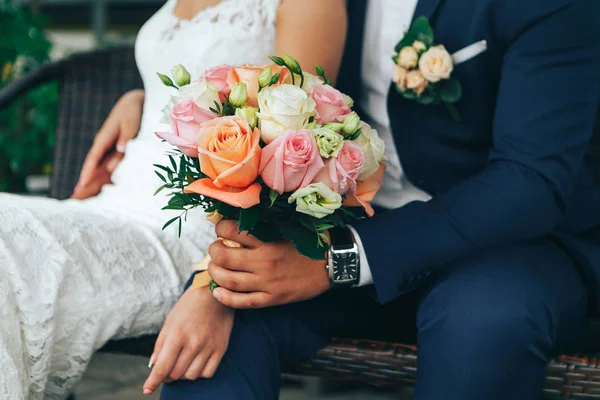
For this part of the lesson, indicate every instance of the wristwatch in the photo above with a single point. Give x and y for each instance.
(343, 258)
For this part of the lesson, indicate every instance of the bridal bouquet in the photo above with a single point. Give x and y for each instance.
(272, 147)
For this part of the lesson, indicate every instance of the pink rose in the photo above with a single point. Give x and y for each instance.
(331, 104)
(291, 161)
(185, 120)
(340, 173)
(217, 76)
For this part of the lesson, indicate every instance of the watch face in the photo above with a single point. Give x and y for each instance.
(344, 267)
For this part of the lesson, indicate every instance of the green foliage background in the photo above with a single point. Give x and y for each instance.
(28, 126)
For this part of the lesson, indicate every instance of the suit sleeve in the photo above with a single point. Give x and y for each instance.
(545, 114)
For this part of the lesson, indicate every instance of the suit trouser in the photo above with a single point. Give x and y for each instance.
(486, 327)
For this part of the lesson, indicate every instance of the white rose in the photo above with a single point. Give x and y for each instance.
(281, 108)
(316, 200)
(436, 64)
(310, 81)
(399, 77)
(419, 46)
(416, 82)
(408, 57)
(373, 149)
(202, 93)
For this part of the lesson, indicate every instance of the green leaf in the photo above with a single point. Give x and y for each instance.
(273, 195)
(451, 90)
(267, 233)
(426, 98)
(395, 59)
(408, 39)
(249, 218)
(160, 189)
(304, 240)
(162, 178)
(169, 222)
(422, 31)
(408, 94)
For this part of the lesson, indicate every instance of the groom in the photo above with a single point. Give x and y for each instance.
(491, 241)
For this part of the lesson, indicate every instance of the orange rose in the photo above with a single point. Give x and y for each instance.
(366, 191)
(249, 73)
(229, 154)
(236, 197)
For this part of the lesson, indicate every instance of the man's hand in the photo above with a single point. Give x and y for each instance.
(192, 341)
(262, 274)
(108, 149)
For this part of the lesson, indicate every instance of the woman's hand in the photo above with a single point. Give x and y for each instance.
(122, 125)
(192, 341)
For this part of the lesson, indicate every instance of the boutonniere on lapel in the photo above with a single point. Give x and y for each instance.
(423, 70)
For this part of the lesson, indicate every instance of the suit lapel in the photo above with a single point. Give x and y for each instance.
(427, 8)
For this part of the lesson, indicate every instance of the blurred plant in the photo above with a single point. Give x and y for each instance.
(27, 127)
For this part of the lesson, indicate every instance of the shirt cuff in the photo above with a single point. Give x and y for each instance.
(365, 278)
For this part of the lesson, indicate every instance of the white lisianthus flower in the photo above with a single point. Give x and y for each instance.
(282, 108)
(329, 142)
(436, 64)
(200, 92)
(310, 81)
(349, 100)
(316, 200)
(373, 148)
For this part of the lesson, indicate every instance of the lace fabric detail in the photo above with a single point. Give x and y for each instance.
(74, 275)
(241, 15)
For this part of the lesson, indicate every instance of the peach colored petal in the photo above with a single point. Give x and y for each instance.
(243, 174)
(236, 197)
(366, 191)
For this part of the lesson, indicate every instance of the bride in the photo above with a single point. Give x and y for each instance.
(77, 273)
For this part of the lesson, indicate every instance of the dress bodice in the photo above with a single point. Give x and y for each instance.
(231, 32)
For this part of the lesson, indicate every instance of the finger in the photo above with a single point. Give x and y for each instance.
(112, 161)
(129, 130)
(90, 190)
(234, 280)
(165, 360)
(230, 230)
(242, 300)
(158, 345)
(196, 367)
(103, 142)
(235, 259)
(211, 366)
(182, 364)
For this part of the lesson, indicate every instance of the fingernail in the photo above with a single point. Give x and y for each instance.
(151, 363)
(147, 391)
(217, 294)
(121, 147)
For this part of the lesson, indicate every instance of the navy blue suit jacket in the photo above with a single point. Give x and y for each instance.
(518, 167)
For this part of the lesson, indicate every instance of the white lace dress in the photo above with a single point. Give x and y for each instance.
(75, 274)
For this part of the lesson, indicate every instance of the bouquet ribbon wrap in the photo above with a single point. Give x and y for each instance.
(204, 279)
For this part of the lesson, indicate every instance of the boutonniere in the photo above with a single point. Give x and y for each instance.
(423, 70)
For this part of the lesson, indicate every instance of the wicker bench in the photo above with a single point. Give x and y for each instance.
(90, 83)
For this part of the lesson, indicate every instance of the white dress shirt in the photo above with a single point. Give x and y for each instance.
(386, 23)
